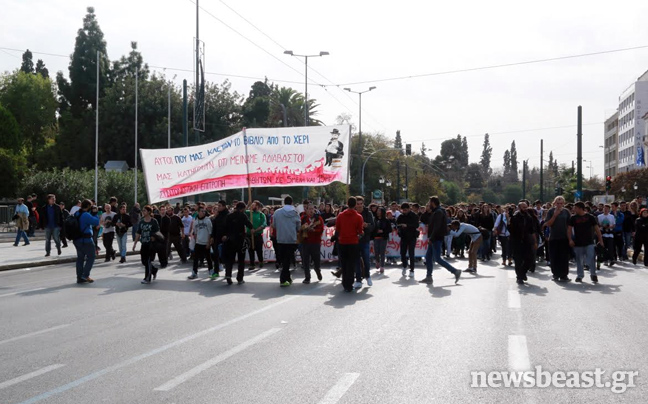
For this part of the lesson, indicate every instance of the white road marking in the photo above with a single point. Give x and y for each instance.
(34, 333)
(24, 291)
(336, 392)
(164, 348)
(28, 376)
(518, 353)
(175, 382)
(514, 299)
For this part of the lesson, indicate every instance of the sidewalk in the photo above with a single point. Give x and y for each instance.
(33, 255)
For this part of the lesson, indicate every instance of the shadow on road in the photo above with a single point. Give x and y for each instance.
(341, 299)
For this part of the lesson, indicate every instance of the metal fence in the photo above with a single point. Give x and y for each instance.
(6, 213)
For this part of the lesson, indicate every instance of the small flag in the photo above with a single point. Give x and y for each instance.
(640, 156)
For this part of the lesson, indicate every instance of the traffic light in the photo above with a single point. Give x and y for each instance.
(608, 183)
(558, 190)
(408, 149)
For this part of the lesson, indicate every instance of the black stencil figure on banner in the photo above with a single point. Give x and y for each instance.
(334, 149)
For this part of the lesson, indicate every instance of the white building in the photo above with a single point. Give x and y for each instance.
(633, 104)
(611, 144)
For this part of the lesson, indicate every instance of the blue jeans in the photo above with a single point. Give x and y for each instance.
(380, 246)
(433, 254)
(363, 267)
(121, 242)
(85, 257)
(627, 243)
(485, 248)
(585, 255)
(21, 233)
(134, 230)
(49, 233)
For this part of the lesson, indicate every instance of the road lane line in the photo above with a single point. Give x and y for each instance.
(34, 333)
(336, 392)
(518, 353)
(188, 338)
(514, 299)
(24, 291)
(175, 382)
(28, 376)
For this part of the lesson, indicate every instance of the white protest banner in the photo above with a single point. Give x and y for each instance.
(326, 246)
(276, 157)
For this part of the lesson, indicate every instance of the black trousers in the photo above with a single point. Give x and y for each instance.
(176, 241)
(618, 244)
(523, 256)
(287, 253)
(506, 251)
(147, 255)
(349, 254)
(311, 251)
(559, 251)
(200, 252)
(638, 244)
(608, 242)
(408, 246)
(108, 243)
(258, 247)
(234, 251)
(216, 256)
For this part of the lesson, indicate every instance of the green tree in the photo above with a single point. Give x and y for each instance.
(256, 108)
(454, 194)
(293, 102)
(423, 150)
(486, 155)
(507, 165)
(488, 195)
(9, 131)
(423, 186)
(41, 69)
(27, 65)
(512, 193)
(514, 163)
(474, 176)
(451, 159)
(30, 99)
(464, 151)
(13, 168)
(398, 142)
(127, 65)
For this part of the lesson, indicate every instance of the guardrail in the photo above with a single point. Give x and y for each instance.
(6, 213)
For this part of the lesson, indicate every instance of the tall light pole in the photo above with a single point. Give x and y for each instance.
(360, 114)
(323, 53)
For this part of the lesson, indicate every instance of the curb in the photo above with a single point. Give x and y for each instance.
(44, 263)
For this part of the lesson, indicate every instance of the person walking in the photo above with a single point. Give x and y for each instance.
(363, 268)
(202, 230)
(148, 230)
(641, 237)
(175, 233)
(21, 216)
(382, 230)
(51, 219)
(349, 227)
(135, 216)
(84, 243)
(580, 233)
(219, 230)
(312, 227)
(286, 222)
(108, 231)
(258, 223)
(187, 230)
(437, 230)
(630, 216)
(523, 241)
(558, 241)
(607, 223)
(234, 242)
(618, 231)
(502, 233)
(407, 224)
(122, 223)
(64, 214)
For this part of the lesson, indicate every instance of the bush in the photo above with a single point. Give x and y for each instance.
(13, 168)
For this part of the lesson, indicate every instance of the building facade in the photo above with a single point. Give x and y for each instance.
(633, 105)
(611, 145)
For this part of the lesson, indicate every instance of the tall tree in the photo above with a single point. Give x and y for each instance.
(507, 165)
(464, 151)
(41, 69)
(514, 162)
(398, 142)
(423, 150)
(475, 176)
(486, 155)
(9, 131)
(127, 65)
(27, 65)
(256, 109)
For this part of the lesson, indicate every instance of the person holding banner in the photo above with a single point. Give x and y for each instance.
(234, 240)
(286, 222)
(311, 235)
(258, 223)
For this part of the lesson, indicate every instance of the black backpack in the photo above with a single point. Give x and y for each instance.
(72, 227)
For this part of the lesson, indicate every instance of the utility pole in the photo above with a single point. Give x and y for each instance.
(406, 183)
(185, 130)
(541, 164)
(523, 179)
(398, 181)
(579, 151)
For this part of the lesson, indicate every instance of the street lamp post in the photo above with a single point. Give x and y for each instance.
(360, 111)
(289, 52)
(362, 187)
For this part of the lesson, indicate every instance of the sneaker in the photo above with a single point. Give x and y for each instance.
(382, 270)
(357, 285)
(319, 275)
(337, 273)
(457, 275)
(192, 276)
(427, 279)
(145, 282)
(369, 282)
(468, 270)
(213, 276)
(89, 279)
(411, 274)
(285, 284)
(241, 282)
(579, 280)
(404, 272)
(122, 260)
(594, 278)
(81, 280)
(306, 281)
(565, 279)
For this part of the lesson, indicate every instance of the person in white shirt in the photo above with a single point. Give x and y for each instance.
(187, 223)
(457, 229)
(394, 210)
(502, 232)
(75, 208)
(108, 231)
(606, 223)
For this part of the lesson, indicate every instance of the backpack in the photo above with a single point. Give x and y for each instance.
(72, 226)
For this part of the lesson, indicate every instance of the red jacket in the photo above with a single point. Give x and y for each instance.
(349, 225)
(314, 236)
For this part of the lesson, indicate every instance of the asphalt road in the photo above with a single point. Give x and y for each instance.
(181, 341)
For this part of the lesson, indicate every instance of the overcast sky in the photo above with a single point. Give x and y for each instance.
(374, 40)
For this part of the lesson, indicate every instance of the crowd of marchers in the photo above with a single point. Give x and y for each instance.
(219, 236)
